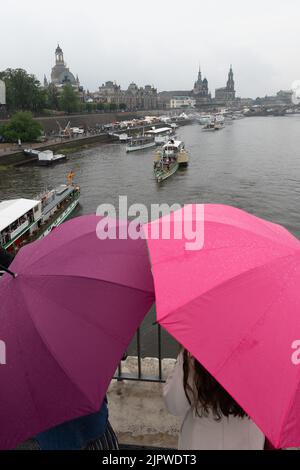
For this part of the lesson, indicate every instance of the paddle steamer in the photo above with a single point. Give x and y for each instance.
(25, 220)
(169, 159)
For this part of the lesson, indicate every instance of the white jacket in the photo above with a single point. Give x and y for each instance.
(206, 433)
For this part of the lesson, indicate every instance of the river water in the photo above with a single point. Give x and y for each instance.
(254, 164)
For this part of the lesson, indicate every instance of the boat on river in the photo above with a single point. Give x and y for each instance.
(161, 135)
(45, 157)
(213, 126)
(169, 159)
(140, 143)
(25, 220)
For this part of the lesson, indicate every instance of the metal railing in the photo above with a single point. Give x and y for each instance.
(139, 375)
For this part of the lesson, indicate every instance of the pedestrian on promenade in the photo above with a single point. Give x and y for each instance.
(212, 420)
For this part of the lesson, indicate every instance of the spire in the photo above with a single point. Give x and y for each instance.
(230, 81)
(45, 81)
(199, 74)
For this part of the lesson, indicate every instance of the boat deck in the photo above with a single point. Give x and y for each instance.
(58, 198)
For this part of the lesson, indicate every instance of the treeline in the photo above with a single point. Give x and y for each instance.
(25, 93)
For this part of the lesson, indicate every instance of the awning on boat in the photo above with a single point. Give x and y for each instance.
(13, 209)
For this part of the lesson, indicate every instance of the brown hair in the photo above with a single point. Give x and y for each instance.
(204, 393)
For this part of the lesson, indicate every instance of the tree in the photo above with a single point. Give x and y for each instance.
(69, 99)
(123, 106)
(100, 106)
(52, 97)
(21, 126)
(23, 91)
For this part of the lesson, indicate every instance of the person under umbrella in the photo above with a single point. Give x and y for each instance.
(91, 432)
(70, 305)
(212, 420)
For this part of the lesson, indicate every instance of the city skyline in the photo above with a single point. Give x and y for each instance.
(122, 44)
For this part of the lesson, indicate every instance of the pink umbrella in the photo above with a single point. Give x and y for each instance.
(66, 320)
(235, 305)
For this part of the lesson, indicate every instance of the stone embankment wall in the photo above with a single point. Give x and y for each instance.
(137, 411)
(50, 124)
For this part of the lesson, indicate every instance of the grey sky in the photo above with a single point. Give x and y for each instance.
(159, 42)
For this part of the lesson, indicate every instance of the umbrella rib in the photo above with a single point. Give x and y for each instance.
(99, 327)
(56, 361)
(258, 320)
(171, 258)
(69, 243)
(227, 281)
(92, 279)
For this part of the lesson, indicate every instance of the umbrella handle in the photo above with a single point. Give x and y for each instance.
(14, 275)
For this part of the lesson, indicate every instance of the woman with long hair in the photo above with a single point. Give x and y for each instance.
(211, 417)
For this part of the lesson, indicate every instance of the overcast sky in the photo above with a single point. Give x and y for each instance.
(159, 42)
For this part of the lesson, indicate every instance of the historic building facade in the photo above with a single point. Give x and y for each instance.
(134, 97)
(182, 102)
(226, 95)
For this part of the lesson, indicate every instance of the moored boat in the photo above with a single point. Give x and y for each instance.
(140, 143)
(204, 119)
(47, 157)
(31, 152)
(161, 135)
(25, 220)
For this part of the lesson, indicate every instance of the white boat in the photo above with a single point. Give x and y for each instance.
(124, 138)
(140, 143)
(25, 220)
(205, 119)
(47, 157)
(161, 135)
(31, 152)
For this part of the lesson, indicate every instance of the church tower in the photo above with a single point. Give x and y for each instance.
(230, 81)
(201, 91)
(59, 56)
(60, 74)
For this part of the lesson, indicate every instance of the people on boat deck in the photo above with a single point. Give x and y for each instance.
(212, 420)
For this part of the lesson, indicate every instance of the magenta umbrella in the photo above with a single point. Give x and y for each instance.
(66, 320)
(234, 303)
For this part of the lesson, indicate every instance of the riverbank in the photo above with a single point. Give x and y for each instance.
(14, 156)
(51, 124)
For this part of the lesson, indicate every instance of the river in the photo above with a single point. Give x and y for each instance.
(254, 164)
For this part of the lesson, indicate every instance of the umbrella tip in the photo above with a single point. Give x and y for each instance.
(3, 268)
